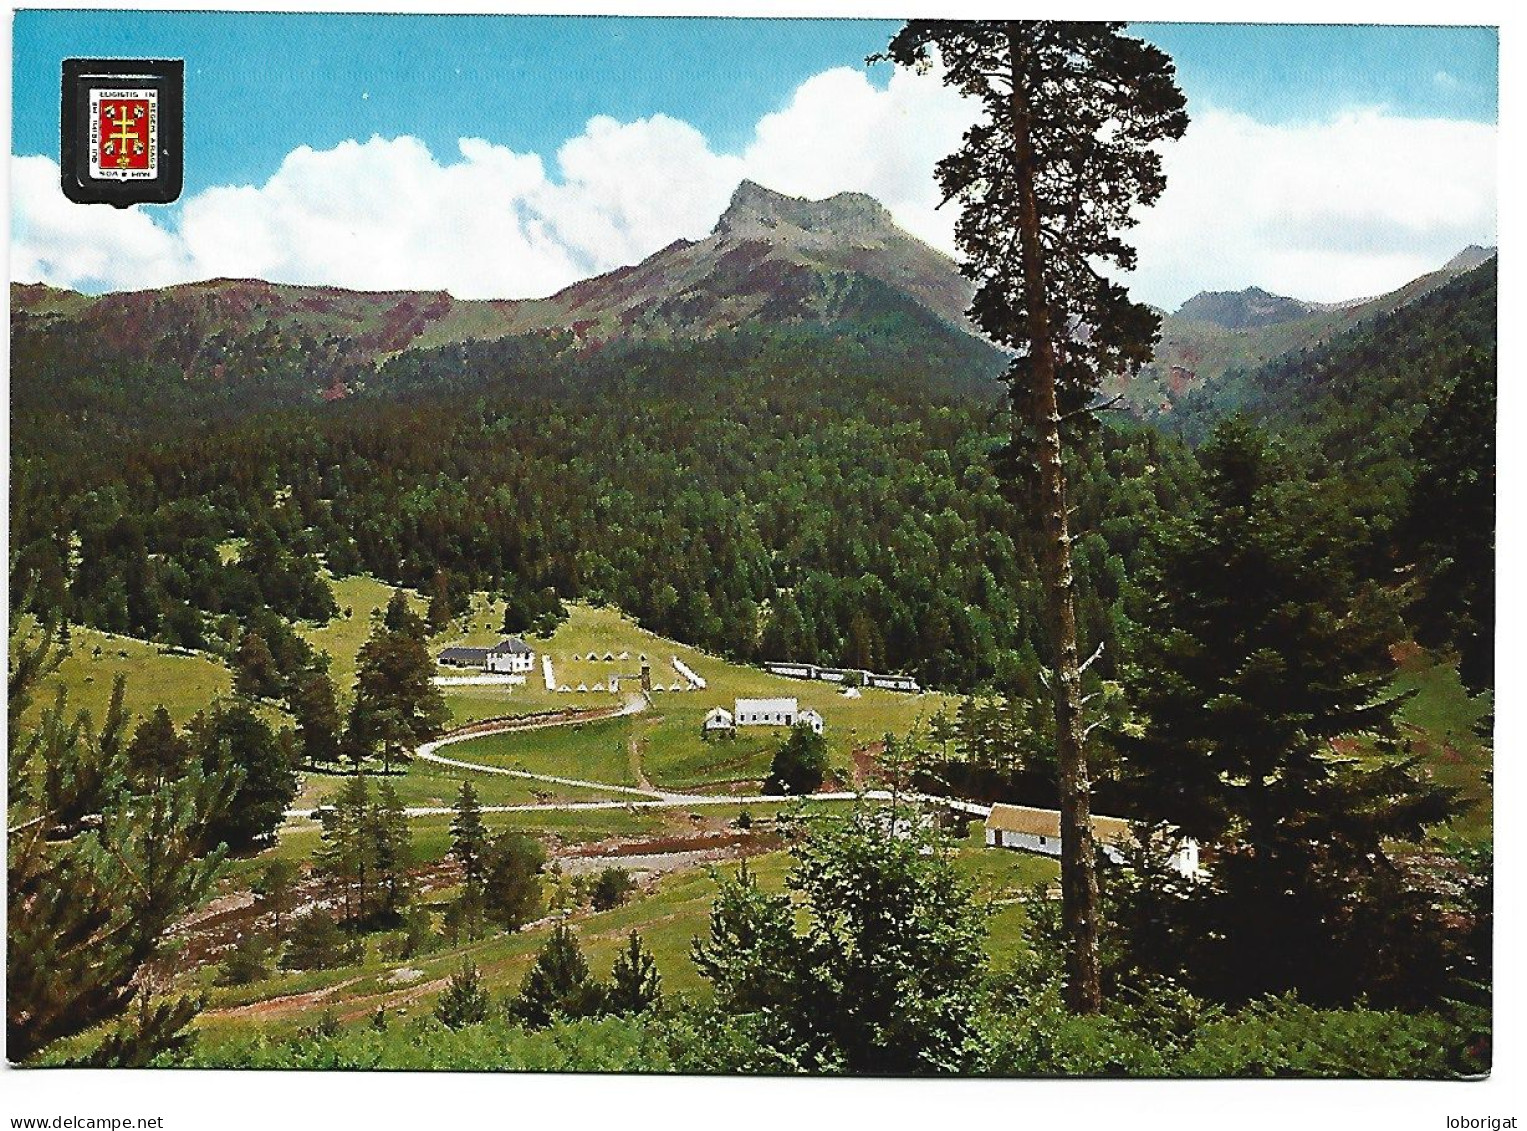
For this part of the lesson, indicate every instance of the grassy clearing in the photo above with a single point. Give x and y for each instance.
(182, 684)
(1439, 723)
(673, 752)
(360, 599)
(669, 912)
(597, 751)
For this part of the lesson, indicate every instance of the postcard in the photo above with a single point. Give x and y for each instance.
(752, 547)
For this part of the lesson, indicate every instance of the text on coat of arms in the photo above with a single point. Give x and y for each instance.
(124, 134)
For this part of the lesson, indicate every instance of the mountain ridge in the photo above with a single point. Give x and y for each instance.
(769, 259)
(1223, 332)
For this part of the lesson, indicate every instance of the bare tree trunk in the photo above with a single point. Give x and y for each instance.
(1078, 875)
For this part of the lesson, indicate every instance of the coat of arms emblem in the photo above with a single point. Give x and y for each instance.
(124, 134)
(121, 131)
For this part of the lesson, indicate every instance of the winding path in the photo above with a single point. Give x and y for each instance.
(633, 705)
(638, 797)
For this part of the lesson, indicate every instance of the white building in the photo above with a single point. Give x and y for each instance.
(765, 712)
(1028, 829)
(719, 719)
(774, 713)
(510, 654)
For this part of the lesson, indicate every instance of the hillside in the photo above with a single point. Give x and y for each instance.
(772, 260)
(1216, 333)
(1368, 384)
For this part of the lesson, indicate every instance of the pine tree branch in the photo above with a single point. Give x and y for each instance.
(1110, 405)
(1092, 658)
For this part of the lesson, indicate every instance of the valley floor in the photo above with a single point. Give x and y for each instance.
(601, 780)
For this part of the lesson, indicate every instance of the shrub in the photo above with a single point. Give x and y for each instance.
(464, 1001)
(635, 985)
(512, 880)
(800, 763)
(250, 961)
(558, 984)
(316, 943)
(611, 888)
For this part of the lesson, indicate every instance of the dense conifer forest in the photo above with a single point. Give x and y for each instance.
(820, 494)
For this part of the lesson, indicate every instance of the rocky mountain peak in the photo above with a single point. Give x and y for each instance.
(758, 212)
(1469, 258)
(1240, 310)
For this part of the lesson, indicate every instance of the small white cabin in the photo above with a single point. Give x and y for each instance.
(719, 719)
(1028, 829)
(813, 719)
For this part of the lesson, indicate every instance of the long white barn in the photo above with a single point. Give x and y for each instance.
(1038, 830)
(509, 655)
(774, 713)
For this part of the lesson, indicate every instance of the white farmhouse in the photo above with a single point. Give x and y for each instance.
(775, 713)
(765, 712)
(510, 654)
(719, 719)
(1038, 830)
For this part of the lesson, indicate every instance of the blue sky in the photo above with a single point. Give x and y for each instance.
(525, 82)
(260, 86)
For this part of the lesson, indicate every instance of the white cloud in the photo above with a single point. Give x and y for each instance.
(1325, 211)
(840, 134)
(384, 215)
(56, 241)
(627, 190)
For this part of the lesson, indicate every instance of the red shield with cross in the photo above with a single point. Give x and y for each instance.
(124, 128)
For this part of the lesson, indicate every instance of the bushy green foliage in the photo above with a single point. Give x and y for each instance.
(314, 704)
(883, 978)
(1263, 670)
(612, 887)
(635, 984)
(511, 884)
(464, 1000)
(250, 961)
(367, 850)
(800, 763)
(416, 936)
(558, 984)
(1286, 1037)
(254, 669)
(231, 738)
(105, 851)
(469, 839)
(158, 752)
(498, 1044)
(275, 892)
(397, 704)
(539, 613)
(315, 942)
(1448, 529)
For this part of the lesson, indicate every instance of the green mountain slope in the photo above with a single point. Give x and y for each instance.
(772, 260)
(1216, 333)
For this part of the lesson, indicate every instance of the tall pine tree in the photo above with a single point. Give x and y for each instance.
(1063, 154)
(1262, 675)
